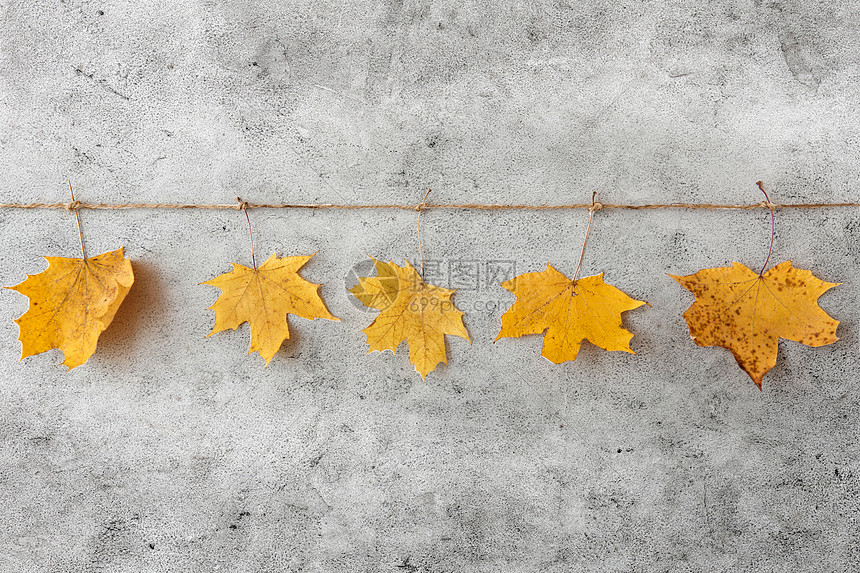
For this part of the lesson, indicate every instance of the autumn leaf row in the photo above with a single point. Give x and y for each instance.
(74, 300)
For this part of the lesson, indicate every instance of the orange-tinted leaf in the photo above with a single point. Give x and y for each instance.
(71, 303)
(737, 309)
(569, 312)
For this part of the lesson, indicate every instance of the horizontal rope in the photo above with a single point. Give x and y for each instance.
(421, 207)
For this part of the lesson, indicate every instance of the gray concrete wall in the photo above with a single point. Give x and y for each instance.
(168, 452)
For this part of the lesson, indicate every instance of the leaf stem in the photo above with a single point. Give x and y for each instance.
(772, 226)
(74, 206)
(243, 206)
(591, 211)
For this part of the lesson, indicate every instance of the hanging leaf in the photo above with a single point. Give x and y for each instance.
(748, 313)
(411, 310)
(71, 303)
(263, 297)
(569, 312)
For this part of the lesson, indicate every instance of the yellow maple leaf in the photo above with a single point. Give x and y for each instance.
(748, 313)
(263, 297)
(569, 312)
(71, 303)
(411, 310)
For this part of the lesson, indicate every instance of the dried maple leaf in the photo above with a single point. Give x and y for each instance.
(263, 297)
(71, 303)
(411, 310)
(748, 313)
(569, 312)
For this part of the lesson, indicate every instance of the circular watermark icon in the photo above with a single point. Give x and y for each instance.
(369, 300)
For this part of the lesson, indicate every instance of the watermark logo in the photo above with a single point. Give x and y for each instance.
(469, 274)
(462, 275)
(362, 299)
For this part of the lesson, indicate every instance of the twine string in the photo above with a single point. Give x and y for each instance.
(420, 208)
(76, 205)
(769, 205)
(243, 206)
(594, 207)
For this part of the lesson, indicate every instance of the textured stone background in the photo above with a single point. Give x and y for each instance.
(168, 452)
